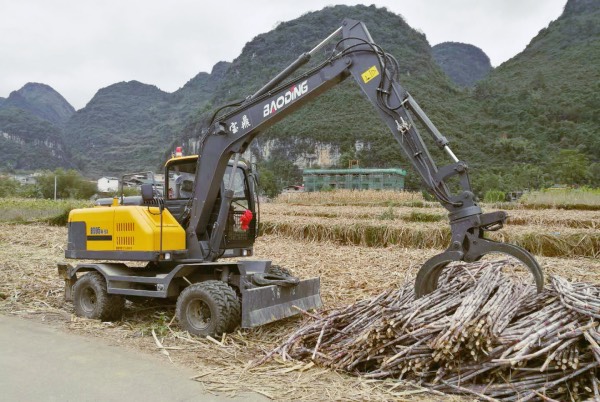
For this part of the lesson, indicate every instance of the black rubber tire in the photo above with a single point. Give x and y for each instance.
(208, 308)
(281, 271)
(91, 300)
(235, 309)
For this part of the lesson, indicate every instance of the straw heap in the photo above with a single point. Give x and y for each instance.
(480, 333)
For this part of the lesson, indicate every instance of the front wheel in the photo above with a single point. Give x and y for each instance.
(207, 308)
(91, 299)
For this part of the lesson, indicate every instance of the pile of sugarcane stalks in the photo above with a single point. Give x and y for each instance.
(481, 333)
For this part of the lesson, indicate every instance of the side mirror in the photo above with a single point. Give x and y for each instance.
(147, 192)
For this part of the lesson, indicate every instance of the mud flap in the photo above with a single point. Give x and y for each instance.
(271, 303)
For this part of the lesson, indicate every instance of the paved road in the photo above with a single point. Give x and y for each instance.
(40, 363)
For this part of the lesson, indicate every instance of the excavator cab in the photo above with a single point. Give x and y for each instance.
(242, 222)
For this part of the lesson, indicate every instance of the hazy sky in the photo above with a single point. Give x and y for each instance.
(80, 46)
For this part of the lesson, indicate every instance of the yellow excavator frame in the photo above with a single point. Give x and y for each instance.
(129, 229)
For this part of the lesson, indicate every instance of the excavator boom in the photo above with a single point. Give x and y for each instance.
(356, 56)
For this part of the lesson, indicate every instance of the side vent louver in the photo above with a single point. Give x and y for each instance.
(125, 240)
(125, 227)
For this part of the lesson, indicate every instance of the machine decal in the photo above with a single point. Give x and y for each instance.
(96, 230)
(99, 238)
(98, 234)
(293, 93)
(370, 74)
(245, 122)
(235, 126)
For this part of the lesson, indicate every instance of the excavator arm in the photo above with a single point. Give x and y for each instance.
(375, 71)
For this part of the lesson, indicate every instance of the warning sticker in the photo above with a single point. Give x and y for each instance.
(370, 74)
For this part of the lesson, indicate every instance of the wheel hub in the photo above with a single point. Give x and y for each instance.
(88, 300)
(198, 313)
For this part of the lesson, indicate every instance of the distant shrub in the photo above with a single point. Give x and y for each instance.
(388, 215)
(21, 210)
(8, 187)
(69, 184)
(494, 196)
(427, 196)
(61, 219)
(423, 217)
(568, 198)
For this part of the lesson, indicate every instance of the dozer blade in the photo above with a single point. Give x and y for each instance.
(271, 303)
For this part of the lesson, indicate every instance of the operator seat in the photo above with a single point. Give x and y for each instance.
(184, 185)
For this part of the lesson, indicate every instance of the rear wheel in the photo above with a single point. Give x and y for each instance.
(208, 308)
(91, 299)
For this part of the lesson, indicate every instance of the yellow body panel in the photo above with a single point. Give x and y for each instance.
(129, 228)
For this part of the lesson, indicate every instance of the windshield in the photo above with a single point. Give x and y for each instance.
(180, 181)
(239, 182)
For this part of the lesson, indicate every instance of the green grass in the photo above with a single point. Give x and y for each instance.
(581, 198)
(388, 214)
(423, 217)
(27, 210)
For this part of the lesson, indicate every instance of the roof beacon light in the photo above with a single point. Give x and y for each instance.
(178, 152)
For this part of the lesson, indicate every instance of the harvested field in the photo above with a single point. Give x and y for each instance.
(516, 217)
(352, 197)
(576, 200)
(359, 267)
(30, 287)
(551, 241)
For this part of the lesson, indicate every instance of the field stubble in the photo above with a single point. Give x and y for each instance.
(30, 287)
(548, 233)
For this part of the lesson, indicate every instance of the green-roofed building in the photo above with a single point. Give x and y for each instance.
(353, 179)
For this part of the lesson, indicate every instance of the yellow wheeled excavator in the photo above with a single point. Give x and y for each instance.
(183, 243)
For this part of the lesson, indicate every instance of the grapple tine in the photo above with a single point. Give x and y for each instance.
(486, 246)
(428, 275)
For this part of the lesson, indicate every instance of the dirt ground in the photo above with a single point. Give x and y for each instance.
(30, 288)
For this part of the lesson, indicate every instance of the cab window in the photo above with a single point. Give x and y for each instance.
(181, 176)
(180, 180)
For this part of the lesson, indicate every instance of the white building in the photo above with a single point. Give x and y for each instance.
(24, 179)
(108, 184)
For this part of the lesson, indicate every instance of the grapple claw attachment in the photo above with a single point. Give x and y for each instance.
(472, 248)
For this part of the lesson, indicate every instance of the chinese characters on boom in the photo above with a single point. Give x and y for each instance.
(233, 127)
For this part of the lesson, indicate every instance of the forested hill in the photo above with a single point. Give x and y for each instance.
(465, 64)
(341, 122)
(127, 126)
(542, 107)
(42, 101)
(31, 121)
(532, 121)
